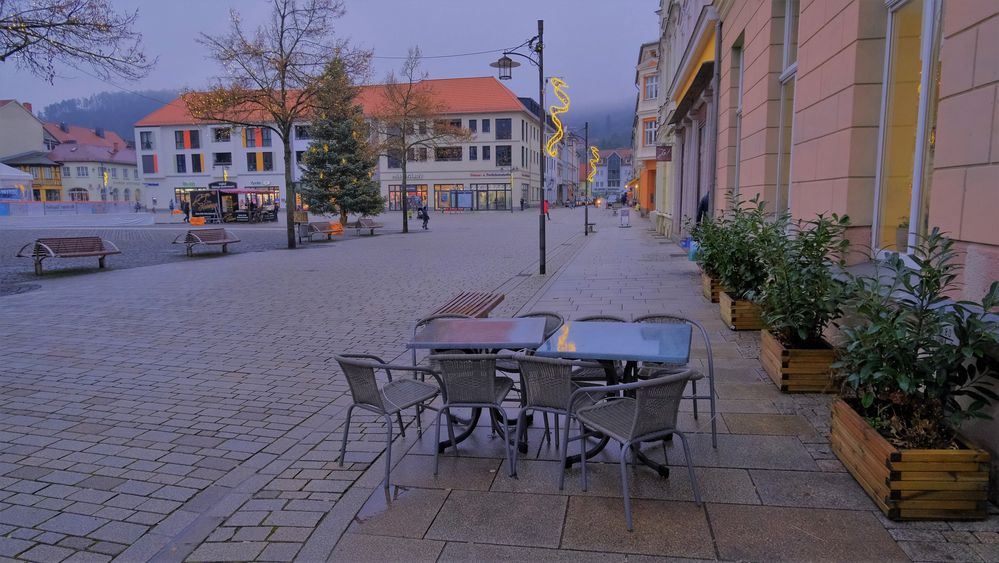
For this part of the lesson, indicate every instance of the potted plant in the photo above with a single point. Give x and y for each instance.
(917, 367)
(708, 236)
(744, 234)
(798, 300)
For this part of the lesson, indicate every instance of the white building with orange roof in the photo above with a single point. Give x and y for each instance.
(497, 166)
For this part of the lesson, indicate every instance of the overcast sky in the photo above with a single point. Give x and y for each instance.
(592, 44)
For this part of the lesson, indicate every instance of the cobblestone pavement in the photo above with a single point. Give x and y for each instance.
(773, 490)
(146, 411)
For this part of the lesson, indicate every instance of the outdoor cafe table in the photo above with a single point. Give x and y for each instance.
(478, 334)
(627, 342)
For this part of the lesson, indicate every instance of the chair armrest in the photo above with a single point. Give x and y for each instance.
(657, 379)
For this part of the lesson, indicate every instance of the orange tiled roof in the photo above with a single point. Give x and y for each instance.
(84, 136)
(459, 95)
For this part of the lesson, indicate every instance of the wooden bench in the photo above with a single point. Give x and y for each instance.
(206, 237)
(328, 228)
(68, 247)
(367, 223)
(472, 304)
(590, 227)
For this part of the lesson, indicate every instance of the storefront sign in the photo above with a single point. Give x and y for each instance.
(189, 184)
(408, 177)
(222, 186)
(499, 174)
(664, 153)
(204, 202)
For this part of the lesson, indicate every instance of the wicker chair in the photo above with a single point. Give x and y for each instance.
(553, 322)
(548, 387)
(390, 399)
(470, 381)
(650, 415)
(648, 367)
(596, 373)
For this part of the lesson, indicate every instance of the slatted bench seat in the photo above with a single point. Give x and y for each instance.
(328, 228)
(367, 223)
(206, 237)
(67, 247)
(472, 304)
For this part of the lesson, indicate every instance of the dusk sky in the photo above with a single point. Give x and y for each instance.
(592, 44)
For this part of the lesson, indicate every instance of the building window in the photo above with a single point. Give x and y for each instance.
(486, 151)
(787, 84)
(908, 124)
(473, 153)
(83, 171)
(48, 173)
(472, 125)
(651, 87)
(65, 171)
(394, 160)
(649, 132)
(423, 127)
(79, 194)
(447, 154)
(146, 140)
(455, 123)
(302, 132)
(504, 130)
(128, 194)
(738, 63)
(485, 125)
(268, 161)
(222, 159)
(259, 161)
(197, 162)
(251, 162)
(178, 139)
(265, 136)
(222, 134)
(148, 164)
(181, 164)
(114, 172)
(417, 154)
(504, 154)
(298, 157)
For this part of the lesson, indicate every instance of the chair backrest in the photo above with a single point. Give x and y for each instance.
(547, 381)
(467, 378)
(360, 376)
(658, 403)
(427, 320)
(667, 318)
(553, 321)
(601, 319)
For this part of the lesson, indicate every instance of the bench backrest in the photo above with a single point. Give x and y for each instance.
(324, 226)
(366, 222)
(72, 245)
(207, 235)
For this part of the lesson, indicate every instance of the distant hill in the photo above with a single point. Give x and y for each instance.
(610, 126)
(114, 111)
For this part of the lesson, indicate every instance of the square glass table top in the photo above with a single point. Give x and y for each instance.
(645, 342)
(490, 333)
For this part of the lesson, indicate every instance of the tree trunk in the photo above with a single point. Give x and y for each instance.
(290, 204)
(404, 193)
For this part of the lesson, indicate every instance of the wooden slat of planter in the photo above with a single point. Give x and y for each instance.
(878, 491)
(739, 315)
(938, 514)
(859, 428)
(943, 495)
(959, 456)
(938, 476)
(710, 288)
(939, 485)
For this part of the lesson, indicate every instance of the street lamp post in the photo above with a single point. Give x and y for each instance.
(586, 196)
(505, 66)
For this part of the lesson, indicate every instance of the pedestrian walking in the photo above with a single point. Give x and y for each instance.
(546, 211)
(171, 207)
(185, 206)
(521, 204)
(425, 215)
(138, 206)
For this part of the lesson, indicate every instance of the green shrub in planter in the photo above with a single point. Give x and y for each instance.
(745, 231)
(918, 364)
(709, 236)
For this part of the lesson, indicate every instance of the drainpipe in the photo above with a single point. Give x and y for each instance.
(713, 130)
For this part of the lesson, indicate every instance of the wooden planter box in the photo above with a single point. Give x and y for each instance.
(797, 370)
(738, 314)
(911, 484)
(710, 287)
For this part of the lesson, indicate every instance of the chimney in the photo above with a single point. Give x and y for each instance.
(99, 131)
(27, 106)
(115, 149)
(64, 126)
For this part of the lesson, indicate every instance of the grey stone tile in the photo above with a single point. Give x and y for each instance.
(939, 551)
(810, 489)
(769, 424)
(670, 528)
(357, 547)
(529, 520)
(743, 452)
(73, 524)
(456, 552)
(25, 516)
(279, 552)
(119, 532)
(744, 532)
(46, 554)
(454, 472)
(9, 547)
(403, 512)
(227, 551)
(292, 518)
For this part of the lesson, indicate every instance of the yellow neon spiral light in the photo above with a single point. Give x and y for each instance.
(593, 163)
(558, 85)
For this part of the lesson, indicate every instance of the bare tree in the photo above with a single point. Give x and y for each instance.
(38, 34)
(273, 74)
(410, 121)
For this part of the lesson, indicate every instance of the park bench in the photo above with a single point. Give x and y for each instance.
(366, 223)
(328, 228)
(206, 237)
(472, 304)
(591, 227)
(68, 247)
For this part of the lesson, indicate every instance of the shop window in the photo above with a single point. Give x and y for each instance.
(128, 194)
(908, 124)
(504, 129)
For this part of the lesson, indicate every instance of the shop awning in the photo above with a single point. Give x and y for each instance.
(701, 79)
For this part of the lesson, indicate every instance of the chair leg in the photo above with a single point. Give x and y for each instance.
(450, 432)
(516, 441)
(402, 429)
(346, 428)
(564, 454)
(690, 469)
(625, 488)
(419, 421)
(714, 423)
(693, 389)
(556, 429)
(506, 436)
(582, 451)
(388, 449)
(437, 440)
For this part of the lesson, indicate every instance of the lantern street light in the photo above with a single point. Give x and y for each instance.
(505, 66)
